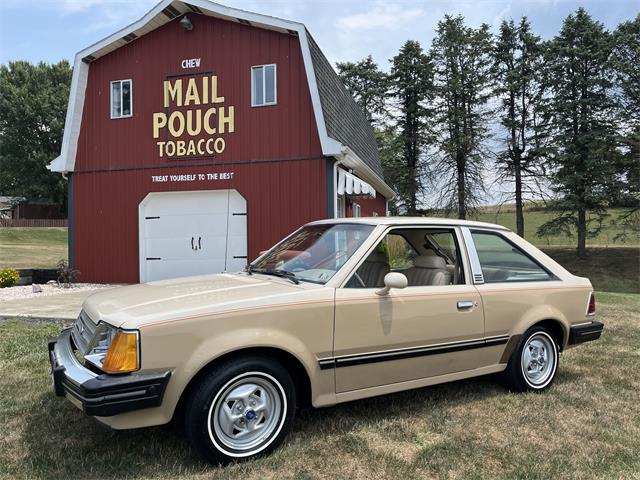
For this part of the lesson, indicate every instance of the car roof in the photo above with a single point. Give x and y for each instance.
(410, 221)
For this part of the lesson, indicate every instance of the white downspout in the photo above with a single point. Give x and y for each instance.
(335, 188)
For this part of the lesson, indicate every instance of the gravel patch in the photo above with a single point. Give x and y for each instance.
(26, 291)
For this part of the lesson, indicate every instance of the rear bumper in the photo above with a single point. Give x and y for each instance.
(585, 333)
(102, 395)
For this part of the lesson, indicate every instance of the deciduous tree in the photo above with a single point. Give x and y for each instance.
(33, 104)
(368, 85)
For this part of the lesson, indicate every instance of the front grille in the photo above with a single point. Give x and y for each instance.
(83, 332)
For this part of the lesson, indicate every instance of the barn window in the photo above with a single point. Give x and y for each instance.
(121, 99)
(263, 85)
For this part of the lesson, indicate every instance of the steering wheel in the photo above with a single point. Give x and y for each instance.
(359, 279)
(333, 256)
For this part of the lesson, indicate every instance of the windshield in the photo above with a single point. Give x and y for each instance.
(315, 252)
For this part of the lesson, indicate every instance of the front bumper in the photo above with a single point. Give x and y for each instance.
(102, 395)
(585, 333)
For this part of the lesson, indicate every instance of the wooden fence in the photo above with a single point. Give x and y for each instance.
(23, 222)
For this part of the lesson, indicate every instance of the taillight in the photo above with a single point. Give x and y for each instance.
(592, 305)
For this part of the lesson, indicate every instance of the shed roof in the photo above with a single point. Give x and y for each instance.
(343, 129)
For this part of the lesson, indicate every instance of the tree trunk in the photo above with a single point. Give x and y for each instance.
(519, 209)
(462, 210)
(582, 232)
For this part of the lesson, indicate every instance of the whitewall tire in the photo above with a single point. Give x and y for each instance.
(241, 409)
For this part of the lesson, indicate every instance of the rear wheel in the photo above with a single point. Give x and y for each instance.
(241, 409)
(534, 363)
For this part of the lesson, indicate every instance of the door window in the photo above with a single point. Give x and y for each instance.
(427, 257)
(502, 261)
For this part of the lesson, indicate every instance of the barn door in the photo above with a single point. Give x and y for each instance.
(192, 233)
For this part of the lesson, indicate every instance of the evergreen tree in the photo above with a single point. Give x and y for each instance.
(33, 105)
(626, 64)
(393, 166)
(412, 89)
(462, 62)
(368, 86)
(578, 111)
(517, 60)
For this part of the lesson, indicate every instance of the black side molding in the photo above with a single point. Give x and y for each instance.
(585, 333)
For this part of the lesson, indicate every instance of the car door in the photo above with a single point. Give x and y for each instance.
(432, 327)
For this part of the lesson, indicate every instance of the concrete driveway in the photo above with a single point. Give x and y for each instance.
(65, 306)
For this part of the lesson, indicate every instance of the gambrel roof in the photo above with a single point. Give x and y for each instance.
(343, 128)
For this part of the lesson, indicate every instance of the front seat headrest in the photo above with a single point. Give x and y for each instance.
(430, 261)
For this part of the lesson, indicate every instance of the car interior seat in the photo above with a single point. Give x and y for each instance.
(429, 270)
(373, 269)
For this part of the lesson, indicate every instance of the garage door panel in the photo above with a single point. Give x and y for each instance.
(178, 203)
(159, 270)
(166, 226)
(179, 219)
(180, 248)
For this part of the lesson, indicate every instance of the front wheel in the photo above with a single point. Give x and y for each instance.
(533, 365)
(241, 409)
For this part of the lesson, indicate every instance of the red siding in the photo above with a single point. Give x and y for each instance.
(368, 206)
(274, 153)
(226, 49)
(280, 197)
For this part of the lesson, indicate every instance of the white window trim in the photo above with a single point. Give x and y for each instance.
(111, 98)
(264, 86)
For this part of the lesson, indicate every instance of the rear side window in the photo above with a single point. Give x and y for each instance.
(502, 261)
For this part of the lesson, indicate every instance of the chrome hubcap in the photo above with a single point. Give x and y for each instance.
(538, 359)
(247, 413)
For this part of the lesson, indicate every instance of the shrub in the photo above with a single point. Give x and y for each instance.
(66, 274)
(9, 277)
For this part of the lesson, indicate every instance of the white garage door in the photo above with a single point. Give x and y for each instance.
(192, 233)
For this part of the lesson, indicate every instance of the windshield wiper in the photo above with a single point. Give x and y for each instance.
(275, 272)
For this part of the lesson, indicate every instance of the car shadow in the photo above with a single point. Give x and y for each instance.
(61, 442)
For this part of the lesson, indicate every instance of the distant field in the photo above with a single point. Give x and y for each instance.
(533, 219)
(609, 269)
(32, 247)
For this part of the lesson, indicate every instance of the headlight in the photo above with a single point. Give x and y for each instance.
(114, 350)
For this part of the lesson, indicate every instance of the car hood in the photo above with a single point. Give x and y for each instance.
(137, 305)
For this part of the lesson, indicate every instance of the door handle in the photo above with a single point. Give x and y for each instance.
(465, 305)
(192, 247)
(199, 246)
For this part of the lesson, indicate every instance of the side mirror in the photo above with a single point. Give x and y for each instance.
(393, 280)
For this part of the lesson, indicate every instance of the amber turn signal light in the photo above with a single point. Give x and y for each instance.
(122, 355)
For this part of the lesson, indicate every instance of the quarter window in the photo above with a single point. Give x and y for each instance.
(121, 99)
(502, 261)
(263, 85)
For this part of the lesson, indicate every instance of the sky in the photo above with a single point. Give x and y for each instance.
(347, 30)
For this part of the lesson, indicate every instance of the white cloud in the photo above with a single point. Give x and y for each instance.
(381, 16)
(74, 6)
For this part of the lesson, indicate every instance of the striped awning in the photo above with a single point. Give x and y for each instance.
(349, 184)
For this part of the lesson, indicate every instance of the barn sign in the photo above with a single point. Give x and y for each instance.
(199, 119)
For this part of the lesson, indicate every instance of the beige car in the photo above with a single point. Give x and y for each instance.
(337, 311)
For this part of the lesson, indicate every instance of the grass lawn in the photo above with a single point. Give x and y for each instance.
(586, 426)
(32, 247)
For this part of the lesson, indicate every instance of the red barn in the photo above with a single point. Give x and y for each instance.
(200, 135)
